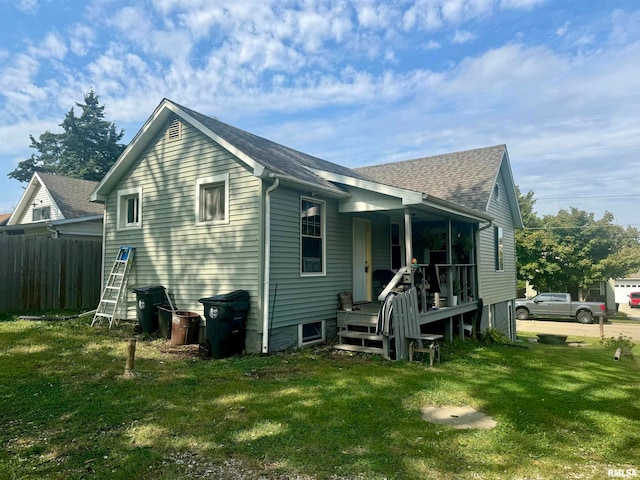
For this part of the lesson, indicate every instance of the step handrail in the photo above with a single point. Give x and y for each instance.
(395, 281)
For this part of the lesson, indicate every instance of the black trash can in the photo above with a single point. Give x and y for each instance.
(226, 317)
(165, 312)
(148, 299)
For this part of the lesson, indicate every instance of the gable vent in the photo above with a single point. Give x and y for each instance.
(174, 131)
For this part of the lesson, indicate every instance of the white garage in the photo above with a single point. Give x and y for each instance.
(624, 286)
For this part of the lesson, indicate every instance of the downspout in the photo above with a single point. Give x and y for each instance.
(55, 233)
(267, 265)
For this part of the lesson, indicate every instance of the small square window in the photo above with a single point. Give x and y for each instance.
(130, 208)
(311, 333)
(42, 213)
(212, 199)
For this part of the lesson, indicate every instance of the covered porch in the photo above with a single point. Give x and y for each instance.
(431, 251)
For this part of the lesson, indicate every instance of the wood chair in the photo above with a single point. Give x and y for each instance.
(405, 315)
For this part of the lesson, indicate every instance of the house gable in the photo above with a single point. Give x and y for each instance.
(66, 199)
(35, 196)
(192, 257)
(262, 157)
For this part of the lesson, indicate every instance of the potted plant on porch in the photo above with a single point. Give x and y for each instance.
(457, 290)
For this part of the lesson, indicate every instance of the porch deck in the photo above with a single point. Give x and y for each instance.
(357, 327)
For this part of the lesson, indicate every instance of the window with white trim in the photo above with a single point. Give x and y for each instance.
(129, 208)
(212, 199)
(311, 333)
(312, 237)
(42, 213)
(499, 247)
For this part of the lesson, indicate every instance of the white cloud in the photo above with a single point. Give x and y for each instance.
(562, 31)
(431, 45)
(521, 4)
(52, 46)
(462, 36)
(27, 6)
(81, 38)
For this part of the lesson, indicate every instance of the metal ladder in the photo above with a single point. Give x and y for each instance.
(112, 296)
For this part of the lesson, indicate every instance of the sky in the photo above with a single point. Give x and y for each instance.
(357, 82)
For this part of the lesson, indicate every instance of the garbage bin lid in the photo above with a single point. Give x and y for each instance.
(148, 289)
(235, 296)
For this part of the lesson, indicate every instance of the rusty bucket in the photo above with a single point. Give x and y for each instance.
(185, 327)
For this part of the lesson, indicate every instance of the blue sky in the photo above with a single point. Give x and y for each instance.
(354, 82)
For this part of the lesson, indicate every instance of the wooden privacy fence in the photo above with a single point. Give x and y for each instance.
(42, 273)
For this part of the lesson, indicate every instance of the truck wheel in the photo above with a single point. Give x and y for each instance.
(584, 316)
(522, 314)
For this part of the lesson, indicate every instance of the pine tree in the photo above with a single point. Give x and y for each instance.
(86, 149)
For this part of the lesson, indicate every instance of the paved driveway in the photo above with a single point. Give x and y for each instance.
(575, 329)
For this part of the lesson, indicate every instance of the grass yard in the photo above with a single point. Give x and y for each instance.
(66, 412)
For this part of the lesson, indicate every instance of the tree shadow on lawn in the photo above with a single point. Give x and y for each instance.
(312, 411)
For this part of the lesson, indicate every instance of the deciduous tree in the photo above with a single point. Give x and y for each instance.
(573, 248)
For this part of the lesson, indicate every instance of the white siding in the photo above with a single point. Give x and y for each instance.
(192, 261)
(40, 199)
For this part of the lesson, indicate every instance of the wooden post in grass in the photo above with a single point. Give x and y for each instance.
(601, 322)
(128, 369)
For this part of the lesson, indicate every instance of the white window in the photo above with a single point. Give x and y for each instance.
(311, 333)
(312, 238)
(212, 200)
(499, 248)
(42, 213)
(130, 208)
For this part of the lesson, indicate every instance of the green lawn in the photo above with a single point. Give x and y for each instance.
(66, 412)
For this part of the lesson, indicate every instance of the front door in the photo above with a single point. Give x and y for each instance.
(361, 260)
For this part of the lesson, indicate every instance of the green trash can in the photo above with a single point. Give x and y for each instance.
(148, 299)
(226, 317)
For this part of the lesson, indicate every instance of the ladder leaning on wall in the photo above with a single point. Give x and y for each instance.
(112, 295)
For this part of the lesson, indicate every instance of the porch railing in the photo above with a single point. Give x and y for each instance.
(455, 281)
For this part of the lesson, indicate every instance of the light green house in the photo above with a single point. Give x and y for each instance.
(212, 209)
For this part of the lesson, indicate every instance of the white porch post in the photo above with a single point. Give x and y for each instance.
(408, 235)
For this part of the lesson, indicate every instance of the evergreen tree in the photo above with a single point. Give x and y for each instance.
(86, 149)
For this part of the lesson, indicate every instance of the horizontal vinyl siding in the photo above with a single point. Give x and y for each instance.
(498, 286)
(192, 261)
(41, 199)
(302, 299)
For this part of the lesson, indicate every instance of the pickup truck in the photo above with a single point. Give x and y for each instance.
(558, 305)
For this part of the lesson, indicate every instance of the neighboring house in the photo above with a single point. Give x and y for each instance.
(53, 205)
(4, 218)
(212, 209)
(624, 286)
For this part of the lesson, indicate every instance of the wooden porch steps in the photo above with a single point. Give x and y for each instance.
(357, 332)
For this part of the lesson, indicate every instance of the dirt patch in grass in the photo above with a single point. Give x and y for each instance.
(179, 352)
(458, 417)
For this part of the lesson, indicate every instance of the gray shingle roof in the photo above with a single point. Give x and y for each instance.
(72, 195)
(274, 157)
(465, 178)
